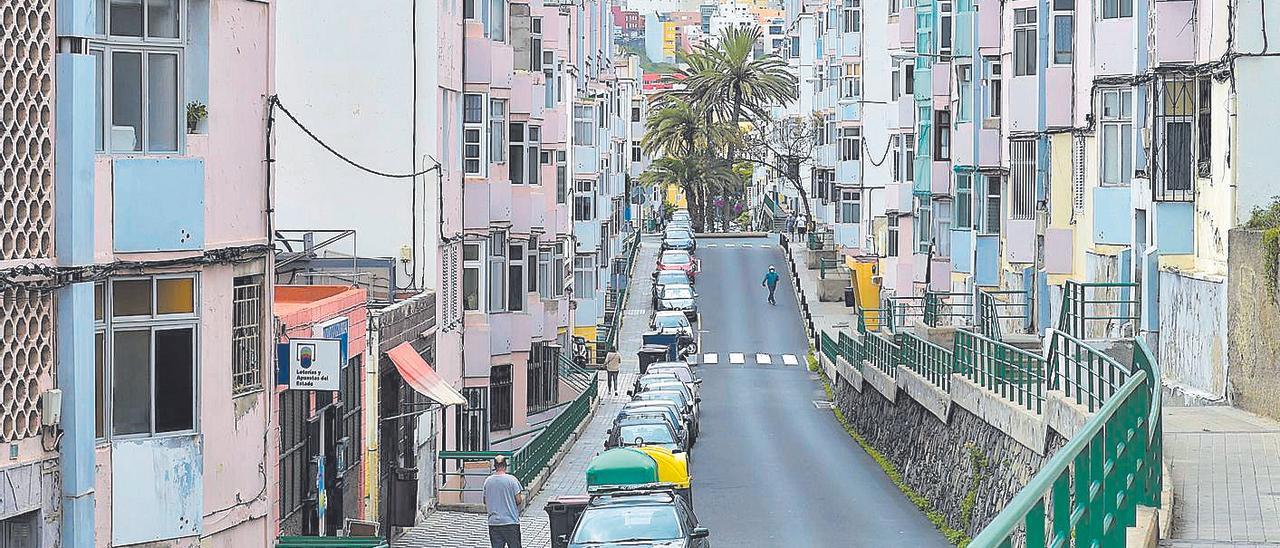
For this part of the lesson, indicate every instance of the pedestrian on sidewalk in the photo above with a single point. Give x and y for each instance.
(503, 496)
(612, 363)
(771, 282)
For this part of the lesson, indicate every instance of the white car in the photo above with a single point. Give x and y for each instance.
(672, 320)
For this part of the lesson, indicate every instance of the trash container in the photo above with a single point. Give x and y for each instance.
(849, 300)
(564, 511)
(653, 353)
(404, 497)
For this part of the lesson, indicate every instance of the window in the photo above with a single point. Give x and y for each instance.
(496, 20)
(469, 8)
(473, 419)
(295, 406)
(497, 272)
(853, 15)
(847, 89)
(584, 276)
(1022, 179)
(992, 87)
(991, 209)
(1024, 42)
(1115, 9)
(1204, 124)
(138, 53)
(1117, 136)
(795, 47)
(942, 134)
(892, 247)
(584, 132)
(584, 200)
(147, 331)
(850, 211)
(549, 78)
(895, 6)
(531, 265)
(635, 113)
(471, 276)
(516, 278)
(501, 398)
(517, 166)
(964, 88)
(350, 389)
(472, 134)
(1174, 148)
(895, 143)
(895, 80)
(964, 201)
(562, 178)
(535, 41)
(497, 128)
(924, 225)
(532, 155)
(943, 239)
(850, 144)
(545, 278)
(909, 157)
(1062, 38)
(543, 388)
(944, 29)
(246, 334)
(908, 78)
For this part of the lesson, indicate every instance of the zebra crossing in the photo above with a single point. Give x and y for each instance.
(762, 246)
(749, 358)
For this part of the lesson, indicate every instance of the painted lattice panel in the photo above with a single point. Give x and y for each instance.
(26, 358)
(26, 135)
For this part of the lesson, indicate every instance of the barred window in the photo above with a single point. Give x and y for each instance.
(544, 377)
(351, 388)
(500, 398)
(293, 454)
(246, 335)
(1022, 171)
(473, 420)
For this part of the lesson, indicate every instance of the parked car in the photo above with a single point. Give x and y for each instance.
(679, 370)
(679, 298)
(671, 320)
(682, 401)
(652, 430)
(638, 518)
(667, 277)
(683, 418)
(635, 409)
(679, 239)
(651, 378)
(675, 259)
(692, 400)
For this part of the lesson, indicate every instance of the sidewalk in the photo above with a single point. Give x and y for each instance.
(829, 316)
(464, 530)
(1225, 465)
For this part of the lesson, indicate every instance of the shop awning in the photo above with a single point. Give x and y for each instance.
(418, 374)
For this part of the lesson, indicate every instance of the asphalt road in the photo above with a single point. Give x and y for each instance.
(770, 468)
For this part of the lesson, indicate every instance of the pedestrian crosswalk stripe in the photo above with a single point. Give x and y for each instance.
(790, 359)
(736, 357)
(712, 245)
(711, 358)
(763, 359)
(746, 245)
(731, 245)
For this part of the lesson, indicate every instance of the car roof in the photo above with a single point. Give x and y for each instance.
(677, 286)
(669, 313)
(670, 364)
(642, 420)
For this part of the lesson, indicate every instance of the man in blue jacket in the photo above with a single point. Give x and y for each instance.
(770, 281)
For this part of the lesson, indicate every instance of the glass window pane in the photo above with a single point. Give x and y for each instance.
(126, 101)
(162, 102)
(471, 289)
(1126, 152)
(130, 298)
(131, 389)
(1110, 154)
(162, 18)
(98, 64)
(99, 302)
(175, 379)
(100, 18)
(100, 383)
(126, 18)
(175, 296)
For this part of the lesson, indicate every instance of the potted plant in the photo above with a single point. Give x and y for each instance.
(196, 113)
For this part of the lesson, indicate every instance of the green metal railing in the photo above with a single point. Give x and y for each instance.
(995, 306)
(883, 352)
(1096, 309)
(615, 302)
(904, 310)
(530, 459)
(947, 308)
(1085, 374)
(819, 240)
(929, 360)
(575, 376)
(828, 346)
(836, 266)
(1015, 374)
(330, 542)
(850, 349)
(874, 319)
(1089, 491)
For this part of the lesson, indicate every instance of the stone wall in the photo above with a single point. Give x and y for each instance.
(967, 468)
(1253, 319)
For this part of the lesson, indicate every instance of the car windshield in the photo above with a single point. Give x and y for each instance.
(669, 395)
(673, 277)
(679, 233)
(654, 379)
(668, 321)
(683, 374)
(628, 523)
(675, 257)
(645, 433)
(677, 293)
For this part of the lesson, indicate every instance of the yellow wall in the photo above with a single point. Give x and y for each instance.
(668, 39)
(868, 292)
(675, 197)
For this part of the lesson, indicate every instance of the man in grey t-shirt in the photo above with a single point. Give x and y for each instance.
(502, 498)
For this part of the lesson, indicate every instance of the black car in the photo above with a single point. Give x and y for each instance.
(665, 277)
(638, 517)
(679, 297)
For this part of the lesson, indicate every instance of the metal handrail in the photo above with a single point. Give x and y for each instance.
(884, 353)
(874, 319)
(1083, 307)
(1085, 374)
(828, 346)
(832, 264)
(929, 360)
(1015, 374)
(939, 305)
(1093, 485)
(904, 309)
(850, 349)
(993, 306)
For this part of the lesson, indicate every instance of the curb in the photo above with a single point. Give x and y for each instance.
(715, 235)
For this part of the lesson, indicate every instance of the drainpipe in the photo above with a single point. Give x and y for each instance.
(974, 197)
(74, 231)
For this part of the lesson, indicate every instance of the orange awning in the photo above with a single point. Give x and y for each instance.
(418, 374)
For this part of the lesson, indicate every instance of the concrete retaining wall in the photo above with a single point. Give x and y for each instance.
(1253, 319)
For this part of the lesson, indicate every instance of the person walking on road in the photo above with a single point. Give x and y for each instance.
(771, 282)
(612, 362)
(503, 496)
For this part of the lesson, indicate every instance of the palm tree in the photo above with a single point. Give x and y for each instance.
(693, 174)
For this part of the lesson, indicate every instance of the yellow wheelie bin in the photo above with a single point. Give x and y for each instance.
(673, 468)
